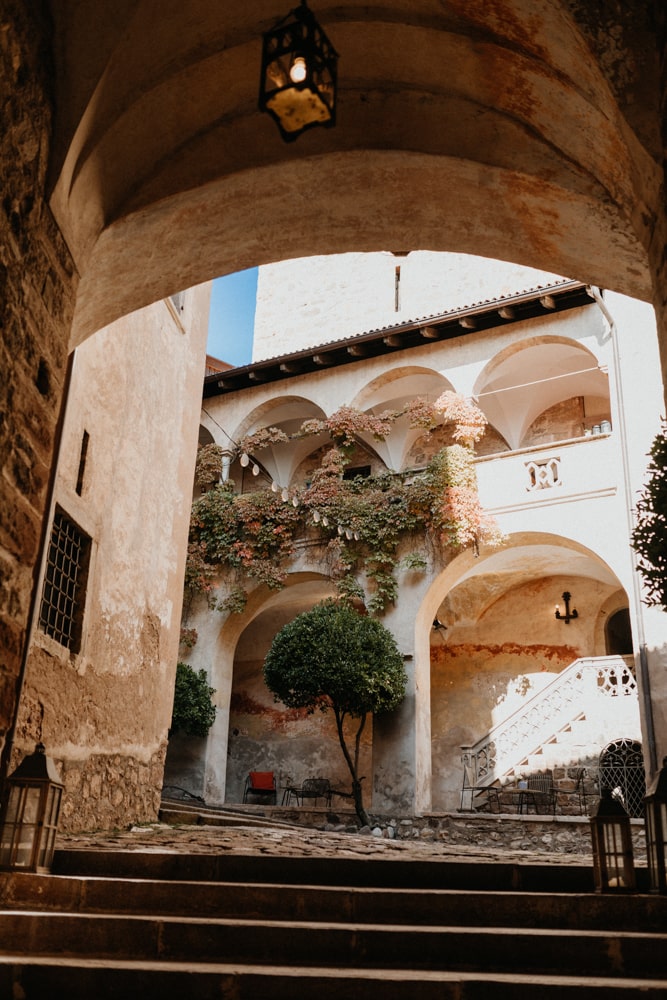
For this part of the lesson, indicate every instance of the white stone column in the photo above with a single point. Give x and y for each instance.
(402, 739)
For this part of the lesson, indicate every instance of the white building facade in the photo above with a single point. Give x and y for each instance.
(560, 371)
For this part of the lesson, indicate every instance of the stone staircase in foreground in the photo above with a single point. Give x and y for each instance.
(160, 925)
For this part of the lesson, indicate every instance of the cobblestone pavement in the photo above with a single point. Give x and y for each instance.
(300, 841)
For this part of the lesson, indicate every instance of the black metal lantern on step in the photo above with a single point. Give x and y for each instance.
(655, 826)
(298, 81)
(613, 865)
(29, 814)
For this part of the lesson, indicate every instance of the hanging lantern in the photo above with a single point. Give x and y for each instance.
(245, 460)
(284, 495)
(613, 866)
(29, 814)
(298, 77)
(316, 516)
(655, 826)
(255, 470)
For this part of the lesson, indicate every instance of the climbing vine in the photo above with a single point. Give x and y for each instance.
(363, 525)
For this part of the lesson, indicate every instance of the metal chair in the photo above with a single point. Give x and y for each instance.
(261, 784)
(311, 788)
(580, 792)
(540, 794)
(474, 797)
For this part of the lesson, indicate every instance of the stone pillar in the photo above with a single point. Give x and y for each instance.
(37, 287)
(402, 739)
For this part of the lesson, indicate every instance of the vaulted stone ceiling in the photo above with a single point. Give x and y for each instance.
(522, 129)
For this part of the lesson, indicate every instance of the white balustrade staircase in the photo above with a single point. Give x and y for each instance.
(587, 705)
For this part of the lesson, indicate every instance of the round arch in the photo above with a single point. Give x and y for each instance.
(512, 389)
(472, 111)
(500, 644)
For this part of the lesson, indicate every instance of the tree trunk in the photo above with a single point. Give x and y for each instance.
(353, 765)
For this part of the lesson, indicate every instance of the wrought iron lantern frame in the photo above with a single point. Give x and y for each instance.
(613, 863)
(655, 827)
(29, 814)
(298, 81)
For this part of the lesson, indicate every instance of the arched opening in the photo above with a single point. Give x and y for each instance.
(509, 680)
(479, 128)
(618, 633)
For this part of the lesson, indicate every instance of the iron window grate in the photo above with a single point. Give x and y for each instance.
(65, 578)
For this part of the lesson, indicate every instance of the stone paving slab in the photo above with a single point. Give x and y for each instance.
(201, 838)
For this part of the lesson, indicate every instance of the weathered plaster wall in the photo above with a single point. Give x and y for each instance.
(320, 299)
(495, 655)
(104, 712)
(502, 641)
(37, 286)
(264, 735)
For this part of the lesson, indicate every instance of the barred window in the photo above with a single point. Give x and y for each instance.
(65, 579)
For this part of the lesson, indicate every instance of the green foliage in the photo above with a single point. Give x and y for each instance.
(361, 524)
(209, 464)
(649, 537)
(333, 657)
(193, 712)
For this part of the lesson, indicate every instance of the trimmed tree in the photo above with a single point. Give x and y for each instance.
(333, 657)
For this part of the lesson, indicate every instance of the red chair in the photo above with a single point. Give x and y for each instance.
(261, 784)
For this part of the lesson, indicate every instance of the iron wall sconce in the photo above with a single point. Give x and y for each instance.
(655, 827)
(29, 814)
(298, 78)
(613, 865)
(569, 615)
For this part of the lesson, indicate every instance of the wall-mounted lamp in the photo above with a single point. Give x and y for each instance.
(569, 615)
(298, 79)
(437, 625)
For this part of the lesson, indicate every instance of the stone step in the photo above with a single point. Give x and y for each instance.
(80, 979)
(396, 872)
(360, 904)
(497, 950)
(155, 924)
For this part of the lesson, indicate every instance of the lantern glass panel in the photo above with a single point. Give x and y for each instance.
(656, 842)
(612, 852)
(20, 828)
(49, 828)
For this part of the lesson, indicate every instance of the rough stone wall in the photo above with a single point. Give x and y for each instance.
(37, 286)
(103, 711)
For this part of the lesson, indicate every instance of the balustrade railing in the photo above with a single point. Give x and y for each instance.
(547, 713)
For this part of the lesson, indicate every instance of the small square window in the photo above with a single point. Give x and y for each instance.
(65, 580)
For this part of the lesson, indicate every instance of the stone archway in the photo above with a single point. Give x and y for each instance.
(501, 645)
(489, 130)
(497, 121)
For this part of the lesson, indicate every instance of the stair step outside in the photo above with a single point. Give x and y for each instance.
(381, 872)
(260, 942)
(82, 979)
(275, 901)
